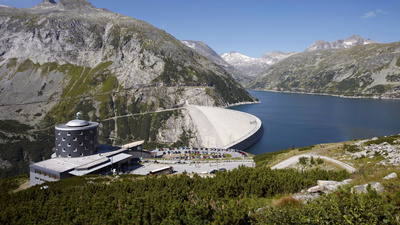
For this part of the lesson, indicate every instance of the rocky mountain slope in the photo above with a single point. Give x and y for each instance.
(72, 50)
(206, 51)
(61, 57)
(370, 70)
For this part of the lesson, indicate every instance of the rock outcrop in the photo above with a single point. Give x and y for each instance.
(378, 187)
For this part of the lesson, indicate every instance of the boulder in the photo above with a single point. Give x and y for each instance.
(390, 176)
(328, 185)
(363, 188)
(315, 189)
(377, 186)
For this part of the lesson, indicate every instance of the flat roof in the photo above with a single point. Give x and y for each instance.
(112, 159)
(60, 164)
(132, 144)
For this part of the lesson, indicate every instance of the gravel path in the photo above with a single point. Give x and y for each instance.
(295, 159)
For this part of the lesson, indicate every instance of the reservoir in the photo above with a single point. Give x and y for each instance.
(301, 120)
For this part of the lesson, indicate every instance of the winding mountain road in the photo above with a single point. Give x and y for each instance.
(295, 159)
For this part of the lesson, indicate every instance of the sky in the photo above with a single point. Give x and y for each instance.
(254, 27)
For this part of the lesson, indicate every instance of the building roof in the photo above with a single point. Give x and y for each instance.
(74, 125)
(77, 123)
(132, 144)
(61, 164)
(112, 159)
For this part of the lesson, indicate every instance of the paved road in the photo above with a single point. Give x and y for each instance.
(295, 159)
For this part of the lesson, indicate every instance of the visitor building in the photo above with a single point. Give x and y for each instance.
(78, 153)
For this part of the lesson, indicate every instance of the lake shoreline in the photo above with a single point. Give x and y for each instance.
(299, 119)
(323, 94)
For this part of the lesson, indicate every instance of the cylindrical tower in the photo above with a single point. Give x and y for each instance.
(77, 138)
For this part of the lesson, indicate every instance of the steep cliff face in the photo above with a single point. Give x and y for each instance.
(61, 57)
(371, 70)
(71, 50)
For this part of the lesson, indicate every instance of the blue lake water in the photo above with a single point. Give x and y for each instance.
(303, 120)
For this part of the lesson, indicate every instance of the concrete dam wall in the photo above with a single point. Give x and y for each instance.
(225, 128)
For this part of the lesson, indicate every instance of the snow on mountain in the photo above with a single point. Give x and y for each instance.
(274, 57)
(339, 44)
(252, 67)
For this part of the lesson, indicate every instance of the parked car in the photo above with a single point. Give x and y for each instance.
(213, 171)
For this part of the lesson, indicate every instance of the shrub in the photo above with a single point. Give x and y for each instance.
(306, 148)
(320, 161)
(303, 160)
(350, 148)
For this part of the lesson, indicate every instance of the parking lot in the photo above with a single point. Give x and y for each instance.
(198, 153)
(204, 167)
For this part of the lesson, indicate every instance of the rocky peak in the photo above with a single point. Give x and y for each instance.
(65, 5)
(48, 2)
(75, 4)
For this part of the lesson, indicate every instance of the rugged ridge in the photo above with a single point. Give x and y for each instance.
(339, 44)
(368, 70)
(206, 51)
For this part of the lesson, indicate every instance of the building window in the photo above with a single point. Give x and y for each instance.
(80, 143)
(69, 145)
(69, 134)
(81, 154)
(69, 155)
(80, 132)
(59, 133)
(86, 148)
(86, 138)
(63, 150)
(59, 144)
(75, 139)
(91, 131)
(75, 150)
(63, 139)
(91, 142)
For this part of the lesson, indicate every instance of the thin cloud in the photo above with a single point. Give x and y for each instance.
(374, 13)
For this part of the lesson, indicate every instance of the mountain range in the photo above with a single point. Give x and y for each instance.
(369, 70)
(351, 67)
(243, 68)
